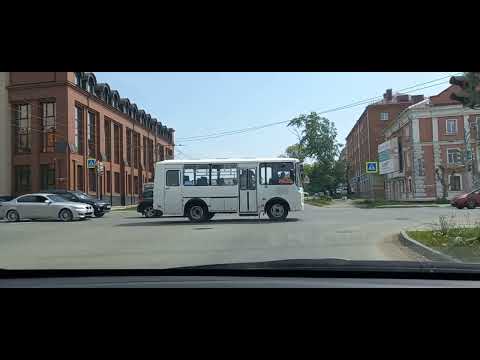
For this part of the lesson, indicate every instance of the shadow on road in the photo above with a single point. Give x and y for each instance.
(212, 222)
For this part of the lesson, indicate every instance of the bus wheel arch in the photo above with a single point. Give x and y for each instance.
(196, 210)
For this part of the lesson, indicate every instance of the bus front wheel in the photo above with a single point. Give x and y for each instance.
(277, 211)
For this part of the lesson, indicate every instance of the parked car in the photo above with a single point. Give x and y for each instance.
(145, 205)
(470, 200)
(100, 207)
(43, 206)
(6, 198)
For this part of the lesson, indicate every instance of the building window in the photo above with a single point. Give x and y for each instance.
(384, 116)
(80, 177)
(451, 126)
(421, 167)
(116, 184)
(47, 177)
(108, 140)
(48, 127)
(454, 156)
(410, 188)
(109, 182)
(455, 183)
(91, 86)
(144, 162)
(91, 123)
(116, 144)
(23, 124)
(92, 180)
(23, 182)
(135, 184)
(78, 79)
(136, 149)
(79, 129)
(129, 147)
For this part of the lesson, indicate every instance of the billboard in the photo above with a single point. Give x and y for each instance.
(388, 156)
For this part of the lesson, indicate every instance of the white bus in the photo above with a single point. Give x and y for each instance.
(199, 189)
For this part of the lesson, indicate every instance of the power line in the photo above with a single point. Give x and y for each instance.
(358, 103)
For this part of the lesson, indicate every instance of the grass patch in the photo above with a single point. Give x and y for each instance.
(462, 243)
(318, 201)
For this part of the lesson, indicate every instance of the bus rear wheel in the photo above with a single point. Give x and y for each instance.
(197, 213)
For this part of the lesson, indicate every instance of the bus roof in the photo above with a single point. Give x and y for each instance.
(227, 161)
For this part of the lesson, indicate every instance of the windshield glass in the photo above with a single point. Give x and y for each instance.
(228, 167)
(56, 198)
(84, 196)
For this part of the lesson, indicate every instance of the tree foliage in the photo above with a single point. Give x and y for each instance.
(318, 141)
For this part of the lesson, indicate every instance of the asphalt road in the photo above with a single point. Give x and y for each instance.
(125, 240)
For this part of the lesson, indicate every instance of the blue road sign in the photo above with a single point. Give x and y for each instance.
(372, 167)
(91, 163)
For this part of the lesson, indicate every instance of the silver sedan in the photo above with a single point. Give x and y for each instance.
(44, 206)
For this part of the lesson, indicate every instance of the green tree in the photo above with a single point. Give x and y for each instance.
(295, 151)
(318, 138)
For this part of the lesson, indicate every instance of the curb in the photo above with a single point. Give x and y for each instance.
(425, 250)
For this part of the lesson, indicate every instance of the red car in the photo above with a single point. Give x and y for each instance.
(470, 200)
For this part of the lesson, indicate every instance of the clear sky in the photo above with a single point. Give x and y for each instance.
(205, 103)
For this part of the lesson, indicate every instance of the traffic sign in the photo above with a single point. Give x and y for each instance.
(372, 167)
(91, 163)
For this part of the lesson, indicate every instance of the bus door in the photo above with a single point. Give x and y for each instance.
(173, 192)
(248, 190)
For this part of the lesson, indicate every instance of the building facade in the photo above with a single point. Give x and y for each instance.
(5, 137)
(363, 140)
(70, 132)
(438, 140)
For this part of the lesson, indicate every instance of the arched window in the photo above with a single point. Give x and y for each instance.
(91, 86)
(78, 79)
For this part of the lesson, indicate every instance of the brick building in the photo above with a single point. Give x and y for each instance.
(437, 131)
(363, 140)
(62, 119)
(5, 137)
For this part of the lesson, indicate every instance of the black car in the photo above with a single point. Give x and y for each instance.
(6, 198)
(145, 205)
(100, 207)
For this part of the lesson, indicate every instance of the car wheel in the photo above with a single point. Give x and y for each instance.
(12, 216)
(99, 214)
(460, 207)
(471, 204)
(66, 215)
(150, 212)
(197, 213)
(277, 211)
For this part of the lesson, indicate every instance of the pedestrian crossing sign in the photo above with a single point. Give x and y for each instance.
(372, 167)
(92, 163)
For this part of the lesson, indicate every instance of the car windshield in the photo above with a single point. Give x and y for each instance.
(56, 198)
(83, 196)
(174, 169)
